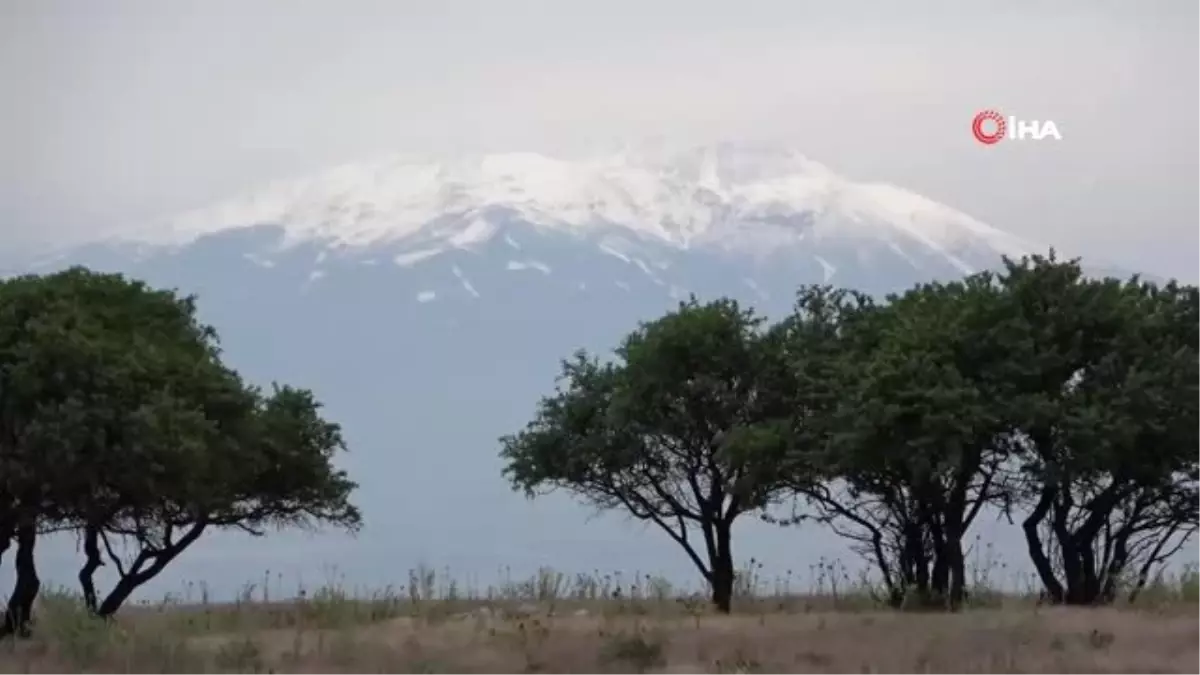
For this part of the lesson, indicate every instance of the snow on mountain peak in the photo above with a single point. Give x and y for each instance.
(733, 197)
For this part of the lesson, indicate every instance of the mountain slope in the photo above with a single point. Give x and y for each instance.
(739, 199)
(428, 302)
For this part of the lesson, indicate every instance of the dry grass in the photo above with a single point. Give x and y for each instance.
(550, 624)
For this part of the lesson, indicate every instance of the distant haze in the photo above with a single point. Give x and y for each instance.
(120, 113)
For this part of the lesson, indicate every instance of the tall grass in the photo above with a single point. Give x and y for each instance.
(190, 632)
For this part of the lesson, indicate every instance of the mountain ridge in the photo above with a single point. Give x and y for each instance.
(741, 199)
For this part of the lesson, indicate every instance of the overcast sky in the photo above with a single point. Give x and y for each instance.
(121, 112)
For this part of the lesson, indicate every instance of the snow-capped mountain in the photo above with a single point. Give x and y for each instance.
(427, 301)
(744, 200)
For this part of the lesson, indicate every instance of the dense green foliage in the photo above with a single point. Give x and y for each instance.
(660, 434)
(1065, 401)
(118, 421)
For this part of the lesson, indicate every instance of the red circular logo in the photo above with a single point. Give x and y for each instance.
(982, 134)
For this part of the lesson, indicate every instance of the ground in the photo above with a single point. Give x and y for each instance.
(539, 627)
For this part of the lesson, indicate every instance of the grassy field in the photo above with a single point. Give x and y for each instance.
(591, 624)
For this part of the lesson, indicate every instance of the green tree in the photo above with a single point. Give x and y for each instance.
(913, 436)
(1108, 413)
(273, 472)
(117, 418)
(659, 432)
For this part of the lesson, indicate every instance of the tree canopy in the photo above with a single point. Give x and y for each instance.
(1034, 392)
(1107, 409)
(916, 434)
(119, 421)
(658, 433)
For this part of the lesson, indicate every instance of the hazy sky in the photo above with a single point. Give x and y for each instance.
(120, 112)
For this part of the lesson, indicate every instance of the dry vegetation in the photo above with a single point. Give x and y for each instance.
(605, 624)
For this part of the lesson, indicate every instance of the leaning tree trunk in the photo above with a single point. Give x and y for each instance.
(1054, 590)
(140, 572)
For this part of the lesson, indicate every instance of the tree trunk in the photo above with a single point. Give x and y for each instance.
(916, 556)
(19, 612)
(722, 570)
(6, 535)
(957, 593)
(1037, 553)
(139, 573)
(117, 596)
(1083, 583)
(939, 578)
(91, 549)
